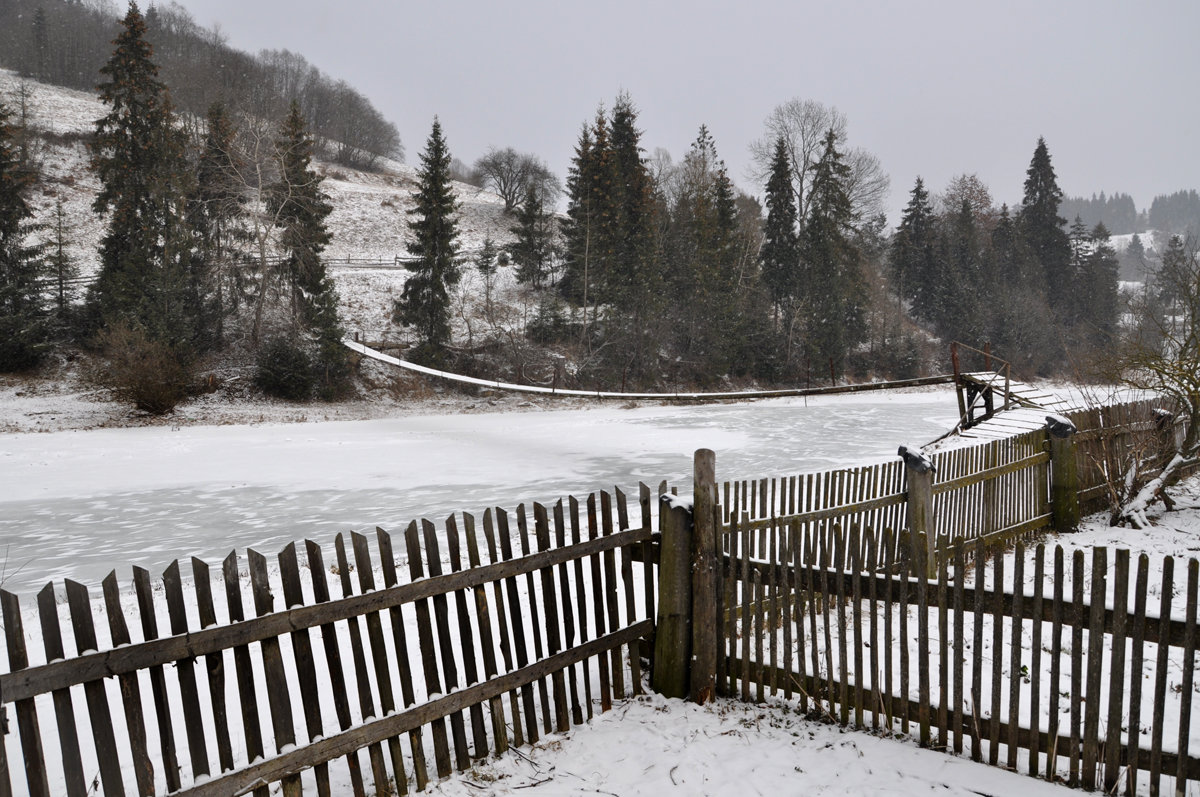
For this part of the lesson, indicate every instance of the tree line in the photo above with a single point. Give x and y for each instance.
(213, 242)
(65, 42)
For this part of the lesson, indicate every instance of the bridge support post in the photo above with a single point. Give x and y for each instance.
(1064, 474)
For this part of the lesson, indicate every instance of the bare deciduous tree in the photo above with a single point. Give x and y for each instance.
(802, 124)
(510, 174)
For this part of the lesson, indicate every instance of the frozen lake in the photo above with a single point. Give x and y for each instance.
(79, 504)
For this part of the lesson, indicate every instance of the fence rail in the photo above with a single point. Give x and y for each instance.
(540, 623)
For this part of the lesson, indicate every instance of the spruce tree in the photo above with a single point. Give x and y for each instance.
(61, 268)
(780, 253)
(834, 293)
(1042, 232)
(425, 302)
(1099, 282)
(533, 252)
(299, 207)
(146, 280)
(23, 312)
(913, 267)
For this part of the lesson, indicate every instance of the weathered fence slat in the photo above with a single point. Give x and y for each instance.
(441, 613)
(483, 617)
(214, 663)
(433, 684)
(581, 602)
(1136, 656)
(1016, 648)
(1035, 665)
(302, 654)
(598, 605)
(185, 672)
(568, 610)
(64, 709)
(1078, 674)
(333, 660)
(1189, 674)
(27, 720)
(553, 622)
(103, 737)
(466, 639)
(387, 562)
(243, 665)
(506, 646)
(1116, 684)
(537, 631)
(516, 615)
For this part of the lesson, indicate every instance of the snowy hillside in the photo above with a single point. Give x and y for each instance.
(369, 208)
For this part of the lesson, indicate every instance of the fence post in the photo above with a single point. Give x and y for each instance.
(919, 472)
(1064, 474)
(706, 574)
(673, 635)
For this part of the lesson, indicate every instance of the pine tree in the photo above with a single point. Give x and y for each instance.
(300, 208)
(834, 297)
(912, 257)
(533, 252)
(1099, 283)
(23, 312)
(780, 254)
(146, 281)
(1042, 231)
(60, 266)
(425, 303)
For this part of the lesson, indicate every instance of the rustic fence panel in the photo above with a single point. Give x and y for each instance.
(971, 664)
(289, 684)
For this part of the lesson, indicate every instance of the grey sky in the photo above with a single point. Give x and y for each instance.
(935, 88)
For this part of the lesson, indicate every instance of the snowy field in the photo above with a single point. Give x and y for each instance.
(77, 504)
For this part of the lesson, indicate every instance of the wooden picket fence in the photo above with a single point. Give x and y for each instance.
(524, 632)
(1079, 683)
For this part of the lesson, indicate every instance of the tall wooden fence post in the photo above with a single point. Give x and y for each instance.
(673, 636)
(706, 575)
(919, 471)
(1064, 474)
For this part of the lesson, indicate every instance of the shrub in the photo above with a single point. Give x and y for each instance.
(150, 374)
(285, 370)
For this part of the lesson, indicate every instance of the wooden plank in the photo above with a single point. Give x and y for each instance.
(387, 566)
(920, 570)
(581, 601)
(1056, 630)
(506, 646)
(1035, 665)
(772, 591)
(333, 661)
(302, 654)
(278, 693)
(959, 611)
(944, 666)
(27, 719)
(903, 568)
(856, 595)
(487, 643)
(247, 693)
(214, 664)
(64, 710)
(788, 597)
(1016, 648)
(466, 640)
(747, 627)
(517, 615)
(185, 671)
(568, 610)
(1136, 663)
(536, 625)
(1078, 675)
(1189, 674)
(872, 563)
(131, 693)
(598, 607)
(1116, 684)
(433, 683)
(361, 675)
(1095, 650)
(94, 693)
(757, 632)
(977, 656)
(612, 601)
(553, 622)
(826, 559)
(441, 613)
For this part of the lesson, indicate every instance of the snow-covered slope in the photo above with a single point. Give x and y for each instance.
(369, 208)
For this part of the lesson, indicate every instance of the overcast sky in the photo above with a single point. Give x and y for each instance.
(935, 88)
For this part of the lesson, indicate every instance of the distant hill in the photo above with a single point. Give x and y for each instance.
(1173, 214)
(65, 42)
